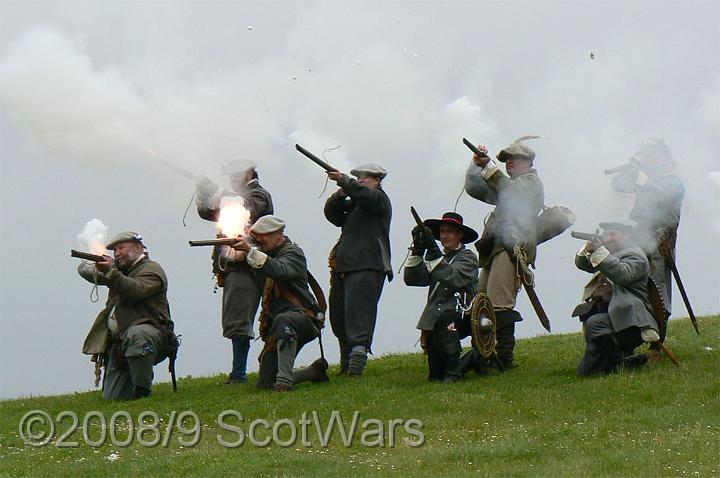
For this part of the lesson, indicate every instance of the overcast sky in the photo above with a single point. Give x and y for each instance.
(88, 88)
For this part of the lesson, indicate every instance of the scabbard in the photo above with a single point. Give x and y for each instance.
(172, 376)
(532, 295)
(535, 301)
(667, 255)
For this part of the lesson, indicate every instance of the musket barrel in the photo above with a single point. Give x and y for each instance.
(86, 255)
(314, 158)
(582, 235)
(224, 241)
(619, 169)
(473, 148)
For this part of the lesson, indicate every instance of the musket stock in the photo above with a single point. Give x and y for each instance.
(315, 159)
(86, 256)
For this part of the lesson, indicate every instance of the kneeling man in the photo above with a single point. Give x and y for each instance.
(290, 314)
(617, 311)
(129, 335)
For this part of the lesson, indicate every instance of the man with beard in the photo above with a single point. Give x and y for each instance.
(359, 262)
(289, 317)
(241, 291)
(616, 313)
(129, 331)
(659, 193)
(509, 234)
(451, 275)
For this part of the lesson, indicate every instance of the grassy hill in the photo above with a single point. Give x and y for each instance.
(536, 420)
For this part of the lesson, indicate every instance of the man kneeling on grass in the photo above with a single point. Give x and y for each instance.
(616, 313)
(130, 334)
(290, 313)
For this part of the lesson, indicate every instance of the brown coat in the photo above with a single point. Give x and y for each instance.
(137, 296)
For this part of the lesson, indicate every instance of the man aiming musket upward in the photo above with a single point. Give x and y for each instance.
(360, 261)
(509, 241)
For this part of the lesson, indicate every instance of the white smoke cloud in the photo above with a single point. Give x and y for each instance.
(103, 82)
(93, 237)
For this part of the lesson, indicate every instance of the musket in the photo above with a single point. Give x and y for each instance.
(416, 216)
(619, 169)
(632, 163)
(86, 256)
(223, 241)
(473, 148)
(315, 159)
(586, 236)
(667, 254)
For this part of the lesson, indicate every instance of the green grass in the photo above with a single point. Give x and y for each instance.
(536, 420)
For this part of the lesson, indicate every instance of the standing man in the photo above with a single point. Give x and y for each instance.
(359, 262)
(289, 317)
(130, 333)
(452, 276)
(241, 291)
(509, 234)
(616, 311)
(659, 194)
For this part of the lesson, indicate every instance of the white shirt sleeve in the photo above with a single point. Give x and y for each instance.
(490, 168)
(255, 258)
(598, 256)
(431, 265)
(413, 261)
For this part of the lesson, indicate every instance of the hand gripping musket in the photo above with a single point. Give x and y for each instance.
(315, 159)
(473, 148)
(86, 256)
(665, 249)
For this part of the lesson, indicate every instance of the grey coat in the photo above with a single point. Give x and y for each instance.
(287, 267)
(657, 208)
(458, 272)
(241, 292)
(364, 216)
(628, 270)
(518, 201)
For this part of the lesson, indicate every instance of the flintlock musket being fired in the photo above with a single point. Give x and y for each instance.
(223, 241)
(86, 256)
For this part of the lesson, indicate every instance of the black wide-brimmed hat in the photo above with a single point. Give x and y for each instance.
(455, 219)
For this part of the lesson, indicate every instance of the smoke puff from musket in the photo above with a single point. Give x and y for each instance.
(93, 237)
